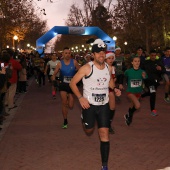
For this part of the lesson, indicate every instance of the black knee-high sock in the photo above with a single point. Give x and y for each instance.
(104, 150)
(131, 111)
(112, 114)
(65, 122)
(152, 101)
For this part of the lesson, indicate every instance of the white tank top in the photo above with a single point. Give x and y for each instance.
(52, 65)
(96, 85)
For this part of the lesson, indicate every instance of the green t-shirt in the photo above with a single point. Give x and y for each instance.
(135, 80)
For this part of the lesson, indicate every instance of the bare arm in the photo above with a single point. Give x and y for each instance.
(46, 67)
(83, 71)
(76, 65)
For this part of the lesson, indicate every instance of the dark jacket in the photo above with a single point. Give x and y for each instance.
(150, 67)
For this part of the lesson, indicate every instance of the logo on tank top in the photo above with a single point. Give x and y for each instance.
(101, 81)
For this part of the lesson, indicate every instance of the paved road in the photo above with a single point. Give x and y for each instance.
(32, 138)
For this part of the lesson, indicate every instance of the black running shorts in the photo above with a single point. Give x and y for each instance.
(96, 113)
(65, 87)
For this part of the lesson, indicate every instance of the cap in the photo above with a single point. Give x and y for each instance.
(109, 53)
(98, 45)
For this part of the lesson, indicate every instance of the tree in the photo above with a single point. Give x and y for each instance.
(94, 13)
(19, 19)
(142, 22)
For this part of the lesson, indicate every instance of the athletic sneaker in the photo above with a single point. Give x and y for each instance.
(127, 120)
(154, 113)
(111, 130)
(167, 99)
(104, 168)
(64, 126)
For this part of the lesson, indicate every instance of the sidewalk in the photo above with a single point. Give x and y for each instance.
(32, 137)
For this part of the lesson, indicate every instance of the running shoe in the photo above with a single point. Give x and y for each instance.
(127, 121)
(111, 130)
(167, 99)
(64, 126)
(154, 113)
(104, 168)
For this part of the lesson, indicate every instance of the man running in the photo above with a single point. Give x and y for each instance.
(96, 77)
(67, 68)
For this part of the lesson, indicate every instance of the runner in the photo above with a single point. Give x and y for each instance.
(135, 77)
(110, 57)
(96, 76)
(52, 65)
(67, 68)
(154, 68)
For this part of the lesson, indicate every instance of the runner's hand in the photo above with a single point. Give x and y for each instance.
(84, 103)
(117, 92)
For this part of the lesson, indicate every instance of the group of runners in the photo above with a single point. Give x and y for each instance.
(102, 79)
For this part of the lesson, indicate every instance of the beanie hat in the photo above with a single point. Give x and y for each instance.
(109, 53)
(117, 48)
(98, 45)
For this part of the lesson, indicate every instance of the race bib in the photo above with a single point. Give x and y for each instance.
(99, 97)
(135, 83)
(152, 89)
(67, 79)
(119, 63)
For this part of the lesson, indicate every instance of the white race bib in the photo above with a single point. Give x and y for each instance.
(152, 89)
(135, 83)
(100, 98)
(67, 79)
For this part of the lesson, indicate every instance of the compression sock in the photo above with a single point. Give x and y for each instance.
(65, 122)
(104, 150)
(131, 112)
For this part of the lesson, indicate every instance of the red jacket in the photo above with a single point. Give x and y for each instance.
(16, 66)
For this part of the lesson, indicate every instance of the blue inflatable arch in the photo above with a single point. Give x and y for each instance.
(40, 43)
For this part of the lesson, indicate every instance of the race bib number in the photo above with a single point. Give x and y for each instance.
(152, 89)
(99, 97)
(136, 83)
(67, 79)
(119, 63)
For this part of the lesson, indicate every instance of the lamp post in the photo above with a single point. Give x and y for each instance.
(15, 38)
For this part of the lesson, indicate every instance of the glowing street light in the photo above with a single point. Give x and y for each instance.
(125, 43)
(28, 45)
(114, 38)
(15, 37)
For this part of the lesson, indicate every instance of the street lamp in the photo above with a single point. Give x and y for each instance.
(28, 45)
(125, 43)
(15, 38)
(114, 38)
